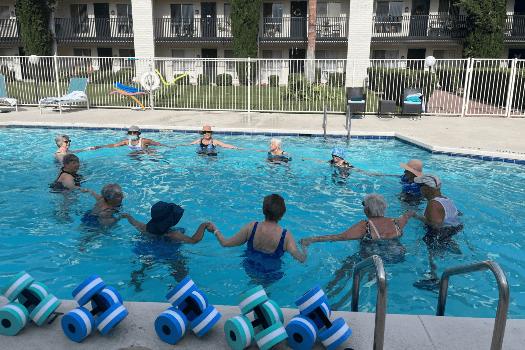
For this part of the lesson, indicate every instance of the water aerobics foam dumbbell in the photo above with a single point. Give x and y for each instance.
(105, 313)
(314, 321)
(261, 321)
(25, 299)
(190, 309)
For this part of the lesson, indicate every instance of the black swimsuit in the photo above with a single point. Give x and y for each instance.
(58, 186)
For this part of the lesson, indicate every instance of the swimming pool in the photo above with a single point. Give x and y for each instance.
(40, 231)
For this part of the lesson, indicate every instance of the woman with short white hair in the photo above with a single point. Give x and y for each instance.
(375, 227)
(276, 154)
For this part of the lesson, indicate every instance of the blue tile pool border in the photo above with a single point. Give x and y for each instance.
(266, 133)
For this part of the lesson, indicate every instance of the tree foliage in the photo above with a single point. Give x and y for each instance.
(485, 26)
(245, 17)
(34, 17)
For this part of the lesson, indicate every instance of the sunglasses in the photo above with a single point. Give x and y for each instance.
(206, 132)
(133, 133)
(67, 141)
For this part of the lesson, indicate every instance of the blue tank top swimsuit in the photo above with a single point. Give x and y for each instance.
(207, 149)
(279, 251)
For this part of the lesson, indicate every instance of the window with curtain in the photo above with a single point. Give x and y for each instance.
(180, 65)
(389, 8)
(230, 65)
(182, 19)
(329, 9)
(272, 13)
(79, 18)
(81, 52)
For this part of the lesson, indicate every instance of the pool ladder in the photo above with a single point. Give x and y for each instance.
(374, 263)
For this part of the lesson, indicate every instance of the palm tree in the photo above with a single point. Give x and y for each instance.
(312, 33)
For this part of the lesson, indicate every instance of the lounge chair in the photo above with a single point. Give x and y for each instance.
(356, 100)
(412, 102)
(76, 94)
(128, 91)
(6, 103)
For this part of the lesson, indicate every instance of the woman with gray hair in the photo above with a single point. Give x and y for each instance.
(376, 227)
(63, 142)
(276, 154)
(108, 204)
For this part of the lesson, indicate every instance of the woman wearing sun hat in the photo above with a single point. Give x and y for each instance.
(413, 169)
(207, 144)
(164, 216)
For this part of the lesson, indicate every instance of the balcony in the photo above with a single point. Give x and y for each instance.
(94, 30)
(193, 30)
(418, 27)
(515, 28)
(295, 29)
(9, 31)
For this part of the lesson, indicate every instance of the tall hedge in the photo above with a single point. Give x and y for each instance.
(34, 17)
(245, 17)
(485, 27)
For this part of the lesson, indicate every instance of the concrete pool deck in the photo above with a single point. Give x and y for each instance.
(485, 136)
(402, 332)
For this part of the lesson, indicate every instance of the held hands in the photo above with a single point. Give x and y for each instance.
(305, 242)
(210, 227)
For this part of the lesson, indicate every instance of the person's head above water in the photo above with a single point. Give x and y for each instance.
(374, 205)
(163, 217)
(338, 152)
(430, 185)
(413, 168)
(275, 144)
(112, 194)
(134, 132)
(273, 207)
(70, 163)
(62, 141)
(206, 131)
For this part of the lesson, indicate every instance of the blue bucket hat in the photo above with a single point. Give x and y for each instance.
(339, 152)
(163, 217)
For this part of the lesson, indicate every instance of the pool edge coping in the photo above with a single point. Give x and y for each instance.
(497, 156)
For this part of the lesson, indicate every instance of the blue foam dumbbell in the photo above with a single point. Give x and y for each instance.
(314, 322)
(190, 310)
(261, 322)
(100, 307)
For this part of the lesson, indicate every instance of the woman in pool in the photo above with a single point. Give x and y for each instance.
(338, 158)
(266, 242)
(63, 143)
(163, 217)
(207, 144)
(276, 154)
(134, 142)
(68, 179)
(108, 204)
(413, 169)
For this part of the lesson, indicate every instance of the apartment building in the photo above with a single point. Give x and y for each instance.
(193, 28)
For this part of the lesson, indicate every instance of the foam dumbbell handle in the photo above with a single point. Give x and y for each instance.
(335, 335)
(33, 295)
(302, 333)
(77, 324)
(87, 289)
(110, 318)
(113, 294)
(42, 311)
(17, 284)
(239, 332)
(102, 301)
(193, 305)
(171, 325)
(13, 318)
(271, 336)
(181, 291)
(251, 299)
(205, 321)
(310, 300)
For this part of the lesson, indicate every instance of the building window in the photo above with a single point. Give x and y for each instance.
(79, 18)
(126, 52)
(329, 9)
(389, 8)
(4, 12)
(385, 54)
(82, 52)
(181, 64)
(124, 18)
(182, 20)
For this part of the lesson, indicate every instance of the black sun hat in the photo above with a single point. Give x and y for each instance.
(163, 217)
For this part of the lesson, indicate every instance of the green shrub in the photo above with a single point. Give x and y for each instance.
(224, 79)
(336, 79)
(203, 79)
(273, 80)
(242, 73)
(298, 87)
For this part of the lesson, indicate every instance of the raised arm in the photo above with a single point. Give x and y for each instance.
(434, 215)
(196, 238)
(403, 219)
(238, 239)
(195, 142)
(91, 192)
(355, 232)
(291, 248)
(137, 224)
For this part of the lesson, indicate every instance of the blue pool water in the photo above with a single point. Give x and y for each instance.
(41, 232)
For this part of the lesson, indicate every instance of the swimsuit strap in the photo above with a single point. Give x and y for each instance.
(399, 232)
(252, 235)
(374, 229)
(280, 247)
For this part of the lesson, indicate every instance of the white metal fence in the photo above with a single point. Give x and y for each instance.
(455, 87)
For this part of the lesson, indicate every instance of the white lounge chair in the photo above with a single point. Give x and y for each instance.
(6, 103)
(76, 94)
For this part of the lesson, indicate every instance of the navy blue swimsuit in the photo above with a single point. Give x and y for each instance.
(279, 251)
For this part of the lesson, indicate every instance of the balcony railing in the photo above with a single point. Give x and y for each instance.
(116, 30)
(192, 29)
(296, 28)
(515, 27)
(417, 27)
(9, 30)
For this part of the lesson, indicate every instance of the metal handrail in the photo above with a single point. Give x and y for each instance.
(366, 266)
(503, 300)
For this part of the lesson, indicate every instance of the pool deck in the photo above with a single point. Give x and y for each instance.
(403, 332)
(484, 136)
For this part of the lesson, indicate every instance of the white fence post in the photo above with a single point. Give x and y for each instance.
(249, 78)
(55, 58)
(467, 87)
(510, 91)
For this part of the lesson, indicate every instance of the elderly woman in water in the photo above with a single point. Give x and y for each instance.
(207, 144)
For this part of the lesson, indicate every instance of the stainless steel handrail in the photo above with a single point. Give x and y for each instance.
(503, 300)
(366, 266)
